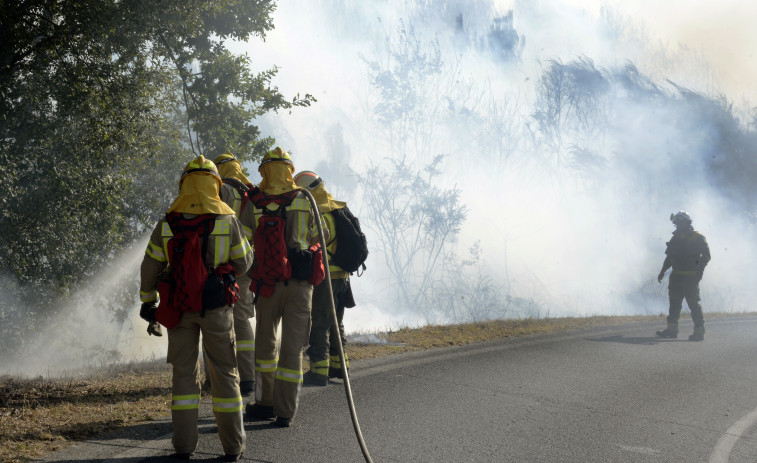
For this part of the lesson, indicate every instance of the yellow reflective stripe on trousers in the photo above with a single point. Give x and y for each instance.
(337, 363)
(245, 346)
(185, 402)
(292, 376)
(266, 366)
(321, 367)
(227, 405)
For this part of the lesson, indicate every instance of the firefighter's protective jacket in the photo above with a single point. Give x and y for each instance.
(226, 243)
(301, 231)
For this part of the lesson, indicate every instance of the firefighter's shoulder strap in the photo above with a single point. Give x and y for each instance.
(262, 200)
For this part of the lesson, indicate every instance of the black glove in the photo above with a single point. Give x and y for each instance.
(147, 311)
(153, 329)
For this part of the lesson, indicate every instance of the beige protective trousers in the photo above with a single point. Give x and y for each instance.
(244, 310)
(219, 345)
(279, 377)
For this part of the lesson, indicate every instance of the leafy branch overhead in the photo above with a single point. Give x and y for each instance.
(101, 105)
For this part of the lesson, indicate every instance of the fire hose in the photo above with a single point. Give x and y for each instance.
(335, 329)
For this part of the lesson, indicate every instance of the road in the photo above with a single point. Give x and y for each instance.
(602, 395)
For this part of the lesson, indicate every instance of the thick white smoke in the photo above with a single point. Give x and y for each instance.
(557, 238)
(575, 227)
(95, 327)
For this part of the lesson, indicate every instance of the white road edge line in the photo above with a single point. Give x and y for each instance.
(722, 450)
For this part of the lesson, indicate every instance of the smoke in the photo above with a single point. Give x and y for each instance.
(567, 132)
(571, 130)
(95, 327)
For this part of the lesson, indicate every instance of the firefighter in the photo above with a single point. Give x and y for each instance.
(225, 247)
(234, 193)
(278, 375)
(323, 351)
(688, 254)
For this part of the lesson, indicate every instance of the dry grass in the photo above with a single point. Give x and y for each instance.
(40, 416)
(434, 336)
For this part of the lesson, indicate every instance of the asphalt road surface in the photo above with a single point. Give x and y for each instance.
(602, 395)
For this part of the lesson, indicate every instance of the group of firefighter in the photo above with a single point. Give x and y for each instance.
(239, 361)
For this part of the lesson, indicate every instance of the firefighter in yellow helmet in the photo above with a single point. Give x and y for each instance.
(198, 238)
(277, 206)
(323, 350)
(235, 192)
(688, 254)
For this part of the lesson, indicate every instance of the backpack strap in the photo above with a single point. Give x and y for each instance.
(261, 200)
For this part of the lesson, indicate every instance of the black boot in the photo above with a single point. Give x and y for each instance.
(264, 412)
(314, 379)
(667, 333)
(698, 334)
(246, 386)
(670, 332)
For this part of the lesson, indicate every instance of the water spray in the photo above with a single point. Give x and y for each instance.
(335, 329)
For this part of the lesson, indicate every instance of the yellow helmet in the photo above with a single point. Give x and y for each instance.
(277, 155)
(200, 164)
(224, 158)
(307, 179)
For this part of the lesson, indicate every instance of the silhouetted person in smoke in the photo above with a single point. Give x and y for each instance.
(688, 254)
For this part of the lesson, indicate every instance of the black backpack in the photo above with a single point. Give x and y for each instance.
(352, 247)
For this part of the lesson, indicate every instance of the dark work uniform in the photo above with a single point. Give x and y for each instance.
(688, 254)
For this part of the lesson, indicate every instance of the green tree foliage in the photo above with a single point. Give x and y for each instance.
(101, 104)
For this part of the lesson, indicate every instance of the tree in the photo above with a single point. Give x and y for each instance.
(101, 103)
(571, 108)
(416, 221)
(406, 77)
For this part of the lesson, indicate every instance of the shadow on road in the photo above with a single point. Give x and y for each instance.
(645, 340)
